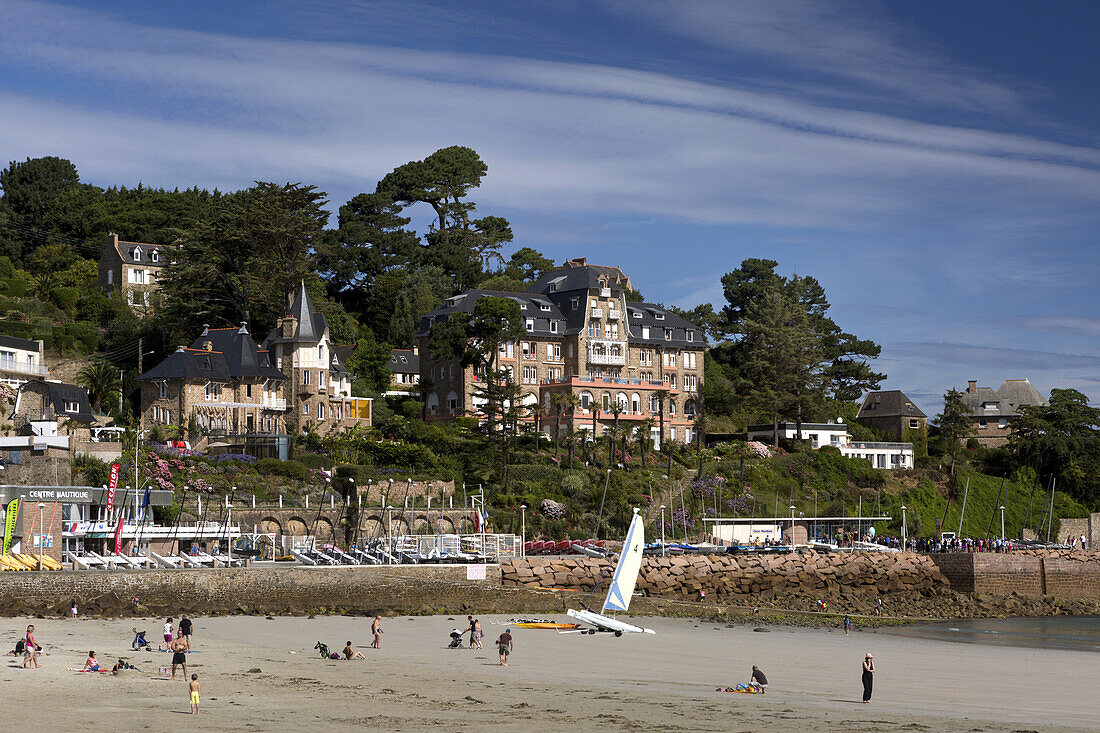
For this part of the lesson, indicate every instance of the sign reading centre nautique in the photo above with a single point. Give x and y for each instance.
(64, 494)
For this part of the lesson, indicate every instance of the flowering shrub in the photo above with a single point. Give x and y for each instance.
(759, 449)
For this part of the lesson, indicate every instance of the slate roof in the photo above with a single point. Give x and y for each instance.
(311, 323)
(1004, 401)
(233, 355)
(404, 361)
(126, 249)
(536, 306)
(888, 403)
(12, 342)
(571, 284)
(59, 393)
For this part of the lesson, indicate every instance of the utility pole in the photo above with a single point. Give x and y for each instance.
(141, 415)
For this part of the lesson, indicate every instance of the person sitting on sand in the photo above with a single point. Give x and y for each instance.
(758, 681)
(91, 664)
(350, 653)
(505, 647)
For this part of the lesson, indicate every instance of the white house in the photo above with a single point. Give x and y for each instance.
(20, 361)
(880, 455)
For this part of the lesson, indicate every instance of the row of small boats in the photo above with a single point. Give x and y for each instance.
(591, 547)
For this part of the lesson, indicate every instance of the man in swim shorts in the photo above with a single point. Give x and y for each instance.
(179, 655)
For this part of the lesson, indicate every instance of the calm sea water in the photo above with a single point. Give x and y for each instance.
(1079, 633)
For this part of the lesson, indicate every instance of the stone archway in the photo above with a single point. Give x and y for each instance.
(445, 526)
(465, 526)
(372, 528)
(271, 525)
(420, 526)
(324, 531)
(400, 527)
(296, 527)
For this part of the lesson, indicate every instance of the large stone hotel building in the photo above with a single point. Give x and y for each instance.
(583, 338)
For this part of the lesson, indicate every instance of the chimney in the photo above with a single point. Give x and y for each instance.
(972, 386)
(416, 350)
(207, 346)
(579, 261)
(289, 325)
(205, 329)
(244, 328)
(112, 240)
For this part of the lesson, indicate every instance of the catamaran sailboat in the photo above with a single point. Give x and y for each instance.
(622, 587)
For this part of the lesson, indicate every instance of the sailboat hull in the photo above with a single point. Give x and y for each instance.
(607, 623)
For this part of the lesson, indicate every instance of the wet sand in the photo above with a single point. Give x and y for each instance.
(251, 681)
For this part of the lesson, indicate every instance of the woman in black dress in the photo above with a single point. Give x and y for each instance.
(868, 677)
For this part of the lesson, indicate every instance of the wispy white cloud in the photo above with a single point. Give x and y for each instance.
(834, 40)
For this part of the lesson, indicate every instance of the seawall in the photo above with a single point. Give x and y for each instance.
(1034, 574)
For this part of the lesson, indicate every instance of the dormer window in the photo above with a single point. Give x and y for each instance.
(135, 254)
(553, 326)
(544, 307)
(690, 335)
(574, 303)
(72, 406)
(163, 390)
(404, 360)
(530, 324)
(205, 363)
(668, 334)
(154, 256)
(659, 316)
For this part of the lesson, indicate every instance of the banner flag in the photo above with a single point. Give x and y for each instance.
(9, 525)
(112, 484)
(118, 535)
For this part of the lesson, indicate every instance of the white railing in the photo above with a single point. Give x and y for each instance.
(614, 314)
(22, 367)
(274, 403)
(595, 357)
(597, 312)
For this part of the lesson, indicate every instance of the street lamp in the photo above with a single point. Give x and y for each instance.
(792, 527)
(523, 530)
(662, 530)
(389, 532)
(41, 538)
(904, 531)
(229, 530)
(1002, 522)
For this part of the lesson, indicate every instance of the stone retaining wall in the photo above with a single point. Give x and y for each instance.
(730, 575)
(1058, 573)
(419, 589)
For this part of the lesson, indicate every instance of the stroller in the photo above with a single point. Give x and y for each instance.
(456, 639)
(322, 648)
(139, 641)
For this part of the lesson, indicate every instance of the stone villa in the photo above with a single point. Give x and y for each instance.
(586, 340)
(993, 410)
(134, 269)
(239, 390)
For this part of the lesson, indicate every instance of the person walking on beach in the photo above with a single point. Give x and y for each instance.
(477, 634)
(30, 649)
(179, 655)
(72, 609)
(471, 629)
(847, 624)
(376, 630)
(505, 647)
(167, 634)
(193, 688)
(868, 677)
(878, 606)
(186, 627)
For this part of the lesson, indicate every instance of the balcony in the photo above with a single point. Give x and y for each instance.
(307, 389)
(614, 315)
(606, 357)
(273, 403)
(597, 312)
(23, 367)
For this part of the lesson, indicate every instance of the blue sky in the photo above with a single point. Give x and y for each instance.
(936, 165)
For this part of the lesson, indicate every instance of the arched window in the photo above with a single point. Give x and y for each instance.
(689, 407)
(586, 399)
(606, 400)
(433, 404)
(635, 403)
(621, 400)
(654, 403)
(671, 407)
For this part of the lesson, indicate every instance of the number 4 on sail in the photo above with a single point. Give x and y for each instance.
(622, 587)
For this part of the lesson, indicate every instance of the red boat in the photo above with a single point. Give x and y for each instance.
(563, 546)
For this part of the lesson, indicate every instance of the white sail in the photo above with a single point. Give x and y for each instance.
(626, 572)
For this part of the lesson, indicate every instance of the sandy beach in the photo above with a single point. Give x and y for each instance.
(252, 681)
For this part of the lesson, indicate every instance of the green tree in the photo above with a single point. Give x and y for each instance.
(422, 290)
(241, 264)
(102, 380)
(787, 355)
(527, 265)
(459, 243)
(1061, 439)
(31, 187)
(476, 341)
(955, 420)
(370, 367)
(371, 239)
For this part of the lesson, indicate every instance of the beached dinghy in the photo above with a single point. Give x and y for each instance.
(622, 587)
